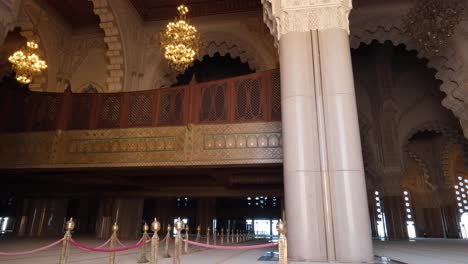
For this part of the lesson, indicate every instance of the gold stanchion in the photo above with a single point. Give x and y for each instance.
(155, 226)
(168, 236)
(145, 238)
(208, 235)
(282, 242)
(227, 235)
(70, 225)
(198, 233)
(186, 239)
(113, 242)
(179, 225)
(222, 234)
(214, 236)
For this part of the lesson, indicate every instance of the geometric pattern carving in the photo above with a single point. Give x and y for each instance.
(246, 143)
(275, 96)
(46, 113)
(81, 111)
(213, 103)
(109, 115)
(141, 109)
(248, 100)
(171, 107)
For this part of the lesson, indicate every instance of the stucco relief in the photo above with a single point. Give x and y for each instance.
(448, 65)
(246, 143)
(283, 16)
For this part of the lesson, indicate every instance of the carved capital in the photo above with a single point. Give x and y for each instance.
(283, 16)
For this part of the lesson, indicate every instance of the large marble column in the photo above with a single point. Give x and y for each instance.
(325, 193)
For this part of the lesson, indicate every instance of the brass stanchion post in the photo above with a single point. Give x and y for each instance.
(179, 225)
(198, 233)
(208, 235)
(145, 237)
(214, 236)
(186, 240)
(222, 234)
(282, 242)
(113, 242)
(155, 226)
(227, 235)
(70, 225)
(168, 236)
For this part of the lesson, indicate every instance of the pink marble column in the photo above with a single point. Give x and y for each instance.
(351, 225)
(302, 173)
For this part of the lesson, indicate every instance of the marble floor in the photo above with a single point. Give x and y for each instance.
(425, 251)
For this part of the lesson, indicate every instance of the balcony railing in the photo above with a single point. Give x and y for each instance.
(248, 98)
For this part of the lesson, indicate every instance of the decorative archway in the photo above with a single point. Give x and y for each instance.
(448, 66)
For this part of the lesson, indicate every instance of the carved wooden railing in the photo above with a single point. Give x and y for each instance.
(248, 98)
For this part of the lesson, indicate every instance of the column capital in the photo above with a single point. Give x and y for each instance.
(284, 16)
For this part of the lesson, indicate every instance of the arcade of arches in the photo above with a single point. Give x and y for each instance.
(349, 136)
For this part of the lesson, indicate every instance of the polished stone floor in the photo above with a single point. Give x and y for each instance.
(425, 251)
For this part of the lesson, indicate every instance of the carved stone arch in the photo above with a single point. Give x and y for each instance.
(222, 43)
(449, 68)
(89, 87)
(115, 51)
(452, 136)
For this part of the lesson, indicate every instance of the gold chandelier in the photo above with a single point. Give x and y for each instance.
(27, 63)
(180, 42)
(430, 23)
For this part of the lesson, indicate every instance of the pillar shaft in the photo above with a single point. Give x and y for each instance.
(393, 207)
(351, 223)
(302, 175)
(325, 193)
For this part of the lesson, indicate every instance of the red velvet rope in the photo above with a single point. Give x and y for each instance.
(85, 248)
(232, 247)
(31, 251)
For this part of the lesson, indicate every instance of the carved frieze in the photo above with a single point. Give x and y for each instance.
(246, 143)
(283, 16)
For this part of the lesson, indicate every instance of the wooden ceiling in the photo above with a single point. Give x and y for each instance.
(152, 10)
(79, 13)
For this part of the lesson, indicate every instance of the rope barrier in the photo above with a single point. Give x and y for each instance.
(232, 247)
(105, 243)
(86, 248)
(31, 251)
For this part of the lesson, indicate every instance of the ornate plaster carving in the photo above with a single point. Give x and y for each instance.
(283, 16)
(115, 52)
(248, 143)
(213, 43)
(450, 69)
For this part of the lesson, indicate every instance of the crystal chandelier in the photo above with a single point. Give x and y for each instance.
(27, 63)
(430, 23)
(180, 42)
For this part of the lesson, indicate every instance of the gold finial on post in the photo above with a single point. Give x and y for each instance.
(282, 242)
(198, 233)
(155, 227)
(69, 226)
(208, 235)
(222, 238)
(144, 238)
(113, 242)
(227, 235)
(215, 235)
(179, 225)
(186, 239)
(168, 237)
